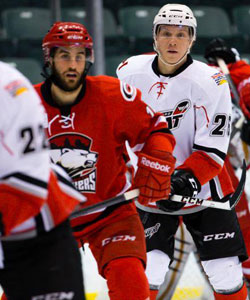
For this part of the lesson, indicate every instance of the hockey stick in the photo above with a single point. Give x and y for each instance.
(229, 201)
(130, 195)
(229, 204)
(223, 66)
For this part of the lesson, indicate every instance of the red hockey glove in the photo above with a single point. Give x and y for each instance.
(245, 100)
(153, 177)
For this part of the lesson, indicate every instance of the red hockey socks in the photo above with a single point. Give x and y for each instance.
(4, 297)
(240, 295)
(246, 270)
(126, 279)
(153, 294)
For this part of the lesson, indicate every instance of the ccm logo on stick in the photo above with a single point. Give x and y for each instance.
(219, 236)
(118, 238)
(192, 200)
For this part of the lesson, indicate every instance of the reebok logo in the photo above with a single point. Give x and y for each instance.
(55, 296)
(154, 165)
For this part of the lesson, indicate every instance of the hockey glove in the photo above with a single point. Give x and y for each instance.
(182, 183)
(218, 48)
(153, 177)
(245, 107)
(245, 132)
(245, 98)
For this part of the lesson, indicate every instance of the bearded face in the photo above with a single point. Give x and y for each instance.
(68, 66)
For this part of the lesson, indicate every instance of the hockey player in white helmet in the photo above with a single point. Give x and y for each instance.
(182, 17)
(196, 102)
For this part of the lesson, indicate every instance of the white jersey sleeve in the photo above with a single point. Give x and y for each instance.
(29, 188)
(213, 113)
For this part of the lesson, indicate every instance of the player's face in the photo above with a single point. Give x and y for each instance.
(68, 66)
(173, 42)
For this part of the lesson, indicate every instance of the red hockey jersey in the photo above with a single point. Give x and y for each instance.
(88, 138)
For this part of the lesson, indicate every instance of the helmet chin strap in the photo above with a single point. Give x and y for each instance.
(171, 64)
(47, 74)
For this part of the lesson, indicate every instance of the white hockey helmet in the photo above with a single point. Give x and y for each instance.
(175, 14)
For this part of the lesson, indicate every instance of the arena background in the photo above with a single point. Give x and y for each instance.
(119, 29)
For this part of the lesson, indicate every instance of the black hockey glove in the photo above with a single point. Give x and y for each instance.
(182, 183)
(218, 48)
(245, 132)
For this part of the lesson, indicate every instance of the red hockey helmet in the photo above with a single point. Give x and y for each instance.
(64, 34)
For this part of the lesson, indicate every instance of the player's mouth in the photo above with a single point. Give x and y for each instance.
(172, 51)
(71, 75)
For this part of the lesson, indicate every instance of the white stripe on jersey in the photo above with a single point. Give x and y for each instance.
(27, 184)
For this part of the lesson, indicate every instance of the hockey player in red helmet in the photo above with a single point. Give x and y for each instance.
(100, 110)
(67, 35)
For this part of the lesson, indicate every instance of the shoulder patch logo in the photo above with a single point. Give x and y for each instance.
(16, 88)
(219, 78)
(128, 92)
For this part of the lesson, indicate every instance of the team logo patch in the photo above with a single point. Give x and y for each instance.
(174, 116)
(16, 88)
(128, 92)
(219, 78)
(72, 151)
(149, 232)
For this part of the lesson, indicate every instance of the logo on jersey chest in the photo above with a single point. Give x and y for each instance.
(72, 151)
(159, 88)
(174, 116)
(62, 121)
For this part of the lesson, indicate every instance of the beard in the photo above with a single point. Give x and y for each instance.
(62, 84)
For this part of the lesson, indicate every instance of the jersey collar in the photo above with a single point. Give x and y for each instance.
(47, 96)
(187, 63)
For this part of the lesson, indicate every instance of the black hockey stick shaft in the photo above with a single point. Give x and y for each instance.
(240, 187)
(223, 66)
(228, 204)
(130, 195)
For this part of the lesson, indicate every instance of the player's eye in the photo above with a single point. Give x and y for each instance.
(64, 57)
(167, 34)
(64, 151)
(80, 58)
